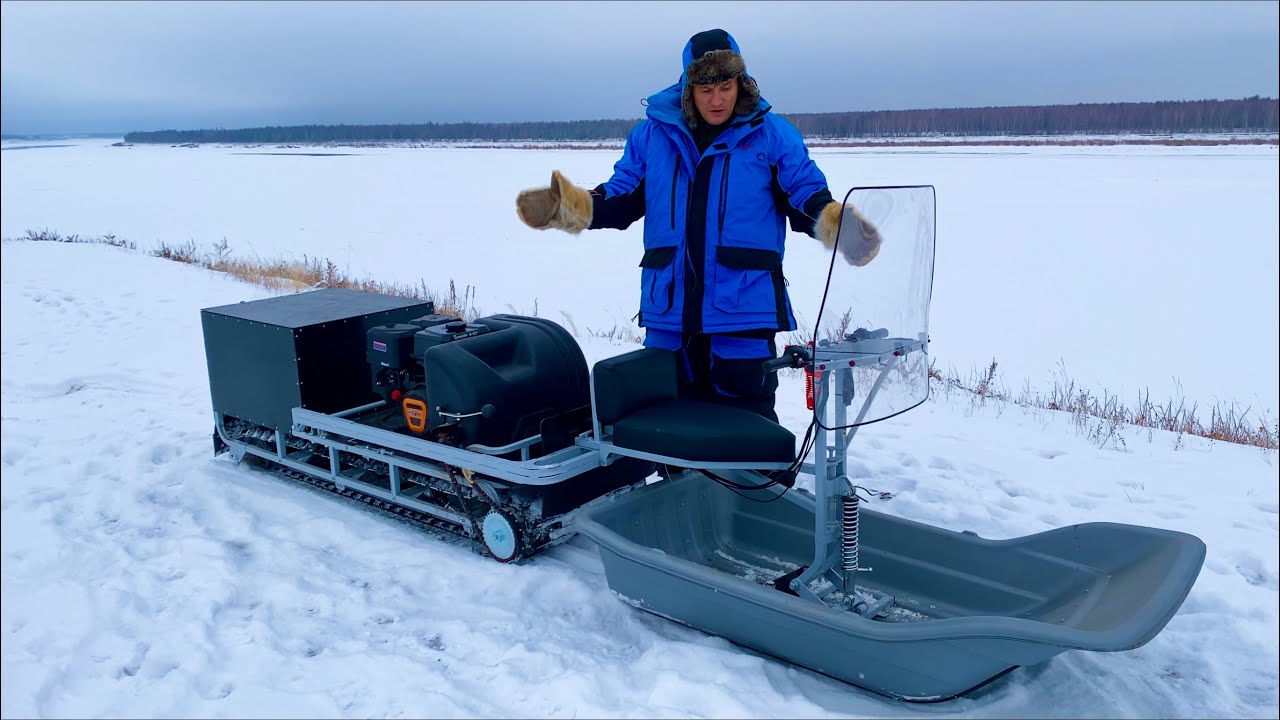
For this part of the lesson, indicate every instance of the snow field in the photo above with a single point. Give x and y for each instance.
(143, 577)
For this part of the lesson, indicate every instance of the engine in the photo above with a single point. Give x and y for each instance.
(491, 382)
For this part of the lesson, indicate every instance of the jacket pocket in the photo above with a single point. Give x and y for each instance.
(657, 280)
(747, 280)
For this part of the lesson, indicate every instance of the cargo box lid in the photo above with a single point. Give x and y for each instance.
(313, 307)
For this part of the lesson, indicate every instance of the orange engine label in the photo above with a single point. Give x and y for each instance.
(415, 414)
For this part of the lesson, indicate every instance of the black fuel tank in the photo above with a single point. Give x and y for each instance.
(528, 369)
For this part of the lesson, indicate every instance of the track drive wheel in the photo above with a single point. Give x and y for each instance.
(501, 537)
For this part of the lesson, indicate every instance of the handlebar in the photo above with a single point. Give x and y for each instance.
(777, 364)
(793, 356)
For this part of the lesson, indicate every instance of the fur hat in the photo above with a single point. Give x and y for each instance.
(712, 57)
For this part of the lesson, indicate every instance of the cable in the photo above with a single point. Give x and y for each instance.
(806, 446)
(734, 487)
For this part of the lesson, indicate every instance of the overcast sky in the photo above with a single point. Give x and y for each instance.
(114, 66)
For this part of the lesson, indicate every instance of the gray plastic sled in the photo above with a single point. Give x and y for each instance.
(967, 609)
(727, 545)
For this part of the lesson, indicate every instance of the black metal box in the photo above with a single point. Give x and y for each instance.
(306, 350)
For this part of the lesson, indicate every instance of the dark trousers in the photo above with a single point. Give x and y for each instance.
(737, 381)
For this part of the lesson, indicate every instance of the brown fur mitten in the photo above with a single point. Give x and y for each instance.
(859, 238)
(564, 206)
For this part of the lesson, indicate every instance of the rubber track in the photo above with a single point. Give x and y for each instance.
(434, 526)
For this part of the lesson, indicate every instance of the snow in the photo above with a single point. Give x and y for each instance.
(143, 577)
(1135, 268)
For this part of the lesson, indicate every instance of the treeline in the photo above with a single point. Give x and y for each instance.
(570, 130)
(1254, 114)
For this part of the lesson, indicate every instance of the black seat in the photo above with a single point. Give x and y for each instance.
(635, 393)
(706, 432)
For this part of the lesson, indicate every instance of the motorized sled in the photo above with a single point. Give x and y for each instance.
(496, 430)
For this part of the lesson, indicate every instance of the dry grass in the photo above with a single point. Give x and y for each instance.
(1099, 414)
(283, 274)
(619, 333)
(312, 272)
(47, 235)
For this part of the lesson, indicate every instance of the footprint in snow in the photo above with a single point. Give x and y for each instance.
(1007, 503)
(14, 455)
(1012, 489)
(1081, 503)
(135, 664)
(938, 463)
(214, 691)
(1255, 573)
(238, 552)
(163, 453)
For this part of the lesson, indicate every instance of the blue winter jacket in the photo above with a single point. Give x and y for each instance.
(714, 226)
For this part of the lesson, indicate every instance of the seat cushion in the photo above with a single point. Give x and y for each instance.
(626, 382)
(706, 432)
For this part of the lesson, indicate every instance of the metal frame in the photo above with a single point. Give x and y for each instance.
(835, 503)
(343, 480)
(341, 433)
(548, 470)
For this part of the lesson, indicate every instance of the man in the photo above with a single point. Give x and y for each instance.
(716, 176)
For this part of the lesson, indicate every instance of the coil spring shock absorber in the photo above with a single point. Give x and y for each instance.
(849, 505)
(849, 537)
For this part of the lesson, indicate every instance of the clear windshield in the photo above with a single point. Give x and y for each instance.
(872, 331)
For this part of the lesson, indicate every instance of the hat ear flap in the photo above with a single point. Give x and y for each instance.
(748, 95)
(687, 106)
